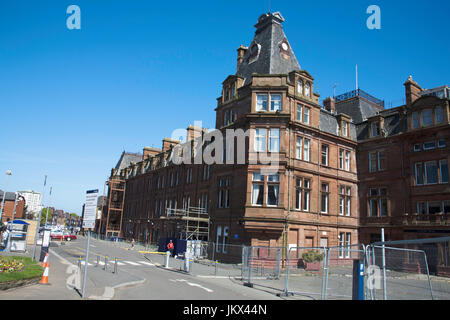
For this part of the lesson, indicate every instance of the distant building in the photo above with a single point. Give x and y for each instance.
(9, 206)
(32, 200)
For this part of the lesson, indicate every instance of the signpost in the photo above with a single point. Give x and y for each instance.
(90, 214)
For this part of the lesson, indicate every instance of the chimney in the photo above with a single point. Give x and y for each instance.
(168, 144)
(241, 52)
(150, 152)
(193, 132)
(329, 104)
(412, 91)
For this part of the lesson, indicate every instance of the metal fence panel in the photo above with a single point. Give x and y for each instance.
(402, 274)
(339, 271)
(304, 275)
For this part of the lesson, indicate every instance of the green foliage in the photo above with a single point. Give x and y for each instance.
(19, 268)
(312, 256)
(46, 212)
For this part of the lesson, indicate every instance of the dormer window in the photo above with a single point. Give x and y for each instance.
(439, 115)
(307, 89)
(345, 128)
(427, 117)
(374, 129)
(233, 90)
(415, 120)
(275, 102)
(300, 86)
(227, 92)
(261, 102)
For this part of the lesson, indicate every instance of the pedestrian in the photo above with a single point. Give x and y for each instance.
(132, 244)
(5, 237)
(170, 247)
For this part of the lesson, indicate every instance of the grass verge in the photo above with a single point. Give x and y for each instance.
(31, 270)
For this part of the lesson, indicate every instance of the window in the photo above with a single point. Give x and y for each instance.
(345, 200)
(324, 197)
(374, 129)
(347, 160)
(341, 159)
(381, 161)
(306, 149)
(261, 102)
(345, 128)
(225, 239)
(273, 189)
(225, 118)
(299, 112)
(434, 207)
(258, 189)
(233, 90)
(421, 207)
(275, 102)
(325, 155)
(344, 165)
(439, 115)
(427, 117)
(232, 116)
(260, 140)
(298, 148)
(419, 174)
(307, 89)
(415, 120)
(443, 168)
(442, 143)
(417, 148)
(274, 140)
(429, 145)
(378, 202)
(431, 172)
(218, 238)
(300, 87)
(344, 244)
(224, 193)
(306, 113)
(302, 194)
(372, 162)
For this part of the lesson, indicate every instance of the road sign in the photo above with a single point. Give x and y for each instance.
(90, 209)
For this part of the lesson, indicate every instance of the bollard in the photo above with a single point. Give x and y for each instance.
(106, 263)
(98, 260)
(215, 271)
(186, 262)
(79, 262)
(167, 258)
(115, 266)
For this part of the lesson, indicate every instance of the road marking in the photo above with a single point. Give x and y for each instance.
(147, 263)
(132, 263)
(192, 284)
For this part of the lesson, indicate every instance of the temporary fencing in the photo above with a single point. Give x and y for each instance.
(304, 272)
(338, 283)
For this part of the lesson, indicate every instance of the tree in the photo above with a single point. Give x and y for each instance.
(46, 212)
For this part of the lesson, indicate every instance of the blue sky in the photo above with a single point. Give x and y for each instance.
(72, 100)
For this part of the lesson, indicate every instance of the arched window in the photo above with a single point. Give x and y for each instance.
(307, 89)
(300, 86)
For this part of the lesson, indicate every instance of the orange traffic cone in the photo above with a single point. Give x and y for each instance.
(45, 263)
(44, 279)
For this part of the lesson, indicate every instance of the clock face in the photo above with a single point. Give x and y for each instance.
(284, 46)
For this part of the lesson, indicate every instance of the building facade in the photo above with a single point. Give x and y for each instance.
(293, 183)
(32, 200)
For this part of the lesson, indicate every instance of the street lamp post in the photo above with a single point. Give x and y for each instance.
(8, 173)
(36, 237)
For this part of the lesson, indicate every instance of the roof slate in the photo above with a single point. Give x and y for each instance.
(269, 35)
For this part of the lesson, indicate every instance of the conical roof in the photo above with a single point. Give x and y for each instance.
(270, 51)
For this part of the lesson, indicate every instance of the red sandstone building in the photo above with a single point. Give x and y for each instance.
(346, 168)
(9, 206)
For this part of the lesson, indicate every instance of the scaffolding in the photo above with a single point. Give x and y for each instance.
(193, 222)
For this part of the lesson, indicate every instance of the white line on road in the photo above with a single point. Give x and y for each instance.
(192, 284)
(147, 263)
(132, 263)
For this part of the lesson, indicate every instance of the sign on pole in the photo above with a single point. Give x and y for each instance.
(90, 209)
(90, 214)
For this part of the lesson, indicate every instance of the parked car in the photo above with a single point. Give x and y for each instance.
(66, 236)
